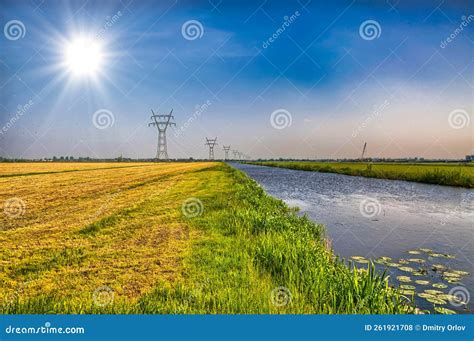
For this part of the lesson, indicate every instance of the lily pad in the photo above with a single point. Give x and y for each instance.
(407, 292)
(422, 282)
(420, 272)
(460, 272)
(436, 300)
(451, 277)
(416, 260)
(404, 279)
(407, 287)
(433, 292)
(383, 260)
(403, 261)
(393, 265)
(407, 269)
(360, 259)
(426, 250)
(439, 285)
(444, 255)
(414, 252)
(446, 311)
(425, 295)
(450, 274)
(438, 267)
(451, 298)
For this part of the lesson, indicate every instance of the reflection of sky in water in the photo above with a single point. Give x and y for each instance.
(409, 216)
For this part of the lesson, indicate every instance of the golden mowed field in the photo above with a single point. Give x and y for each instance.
(51, 237)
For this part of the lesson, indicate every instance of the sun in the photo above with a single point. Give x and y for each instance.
(83, 57)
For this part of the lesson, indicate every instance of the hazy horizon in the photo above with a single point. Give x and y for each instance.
(289, 80)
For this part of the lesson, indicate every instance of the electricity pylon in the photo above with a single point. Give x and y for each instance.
(211, 143)
(236, 153)
(226, 151)
(161, 122)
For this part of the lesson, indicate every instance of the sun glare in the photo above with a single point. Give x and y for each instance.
(83, 57)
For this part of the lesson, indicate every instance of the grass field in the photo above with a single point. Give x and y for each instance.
(461, 175)
(167, 238)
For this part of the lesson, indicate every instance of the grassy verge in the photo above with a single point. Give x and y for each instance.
(244, 252)
(439, 174)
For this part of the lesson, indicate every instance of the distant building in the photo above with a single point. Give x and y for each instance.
(469, 158)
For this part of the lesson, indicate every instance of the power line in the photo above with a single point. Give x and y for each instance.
(226, 151)
(162, 122)
(211, 143)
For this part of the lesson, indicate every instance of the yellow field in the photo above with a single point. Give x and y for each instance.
(42, 247)
(13, 169)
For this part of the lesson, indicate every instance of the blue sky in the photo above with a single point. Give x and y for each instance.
(405, 90)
